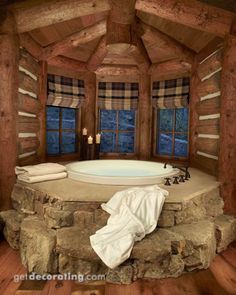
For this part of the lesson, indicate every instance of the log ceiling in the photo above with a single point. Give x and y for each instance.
(82, 30)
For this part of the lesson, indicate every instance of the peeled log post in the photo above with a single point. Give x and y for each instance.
(194, 118)
(227, 156)
(140, 55)
(98, 55)
(88, 108)
(42, 114)
(9, 59)
(144, 118)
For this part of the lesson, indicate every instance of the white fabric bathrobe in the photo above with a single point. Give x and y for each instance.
(134, 213)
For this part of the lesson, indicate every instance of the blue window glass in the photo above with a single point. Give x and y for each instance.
(117, 131)
(108, 142)
(53, 118)
(52, 142)
(126, 120)
(68, 118)
(61, 130)
(172, 132)
(126, 142)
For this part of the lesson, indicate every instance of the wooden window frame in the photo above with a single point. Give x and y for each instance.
(167, 158)
(69, 156)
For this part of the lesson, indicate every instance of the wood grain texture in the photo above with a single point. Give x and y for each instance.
(68, 63)
(209, 86)
(227, 158)
(98, 55)
(28, 124)
(29, 144)
(208, 106)
(205, 164)
(190, 13)
(211, 126)
(9, 62)
(28, 62)
(29, 17)
(31, 45)
(171, 67)
(27, 83)
(28, 104)
(141, 57)
(81, 37)
(112, 70)
(208, 145)
(210, 65)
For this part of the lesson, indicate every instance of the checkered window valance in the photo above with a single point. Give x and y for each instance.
(118, 96)
(65, 92)
(171, 94)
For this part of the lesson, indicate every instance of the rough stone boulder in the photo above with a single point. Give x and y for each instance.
(200, 246)
(55, 218)
(37, 246)
(11, 221)
(225, 231)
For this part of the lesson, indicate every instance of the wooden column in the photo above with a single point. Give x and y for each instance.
(227, 157)
(9, 59)
(193, 116)
(42, 115)
(144, 119)
(88, 116)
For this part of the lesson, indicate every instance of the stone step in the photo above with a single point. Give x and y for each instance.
(58, 213)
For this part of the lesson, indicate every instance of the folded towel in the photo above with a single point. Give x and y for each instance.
(39, 178)
(40, 169)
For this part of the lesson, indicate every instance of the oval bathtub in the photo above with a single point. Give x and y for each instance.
(120, 172)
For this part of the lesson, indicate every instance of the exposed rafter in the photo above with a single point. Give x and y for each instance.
(98, 55)
(190, 13)
(164, 42)
(111, 70)
(74, 40)
(122, 11)
(68, 63)
(170, 67)
(51, 12)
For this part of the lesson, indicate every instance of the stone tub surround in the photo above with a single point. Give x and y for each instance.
(52, 229)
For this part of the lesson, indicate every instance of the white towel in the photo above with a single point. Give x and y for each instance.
(40, 169)
(40, 178)
(134, 213)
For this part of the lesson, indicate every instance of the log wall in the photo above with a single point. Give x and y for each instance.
(205, 109)
(28, 119)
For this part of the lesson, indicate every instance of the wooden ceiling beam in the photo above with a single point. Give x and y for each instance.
(98, 55)
(141, 57)
(68, 63)
(191, 13)
(122, 11)
(74, 40)
(30, 17)
(175, 66)
(164, 42)
(111, 70)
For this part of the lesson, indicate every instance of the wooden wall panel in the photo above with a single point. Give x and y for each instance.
(29, 109)
(204, 149)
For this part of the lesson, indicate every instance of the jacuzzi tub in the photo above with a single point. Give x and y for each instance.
(120, 172)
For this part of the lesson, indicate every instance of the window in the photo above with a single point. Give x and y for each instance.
(172, 132)
(118, 131)
(61, 130)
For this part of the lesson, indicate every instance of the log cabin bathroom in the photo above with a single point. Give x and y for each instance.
(118, 147)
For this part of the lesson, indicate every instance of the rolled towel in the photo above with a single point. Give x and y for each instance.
(40, 178)
(40, 169)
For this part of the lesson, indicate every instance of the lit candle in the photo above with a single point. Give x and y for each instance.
(90, 140)
(84, 131)
(98, 138)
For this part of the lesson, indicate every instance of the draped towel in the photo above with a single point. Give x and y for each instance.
(171, 94)
(65, 92)
(118, 96)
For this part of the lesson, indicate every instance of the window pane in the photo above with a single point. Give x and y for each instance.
(164, 146)
(53, 116)
(181, 117)
(68, 142)
(181, 145)
(166, 119)
(68, 118)
(126, 120)
(52, 142)
(108, 142)
(108, 119)
(126, 142)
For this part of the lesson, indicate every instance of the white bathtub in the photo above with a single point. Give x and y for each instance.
(120, 172)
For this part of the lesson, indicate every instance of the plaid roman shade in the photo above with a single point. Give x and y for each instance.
(117, 96)
(171, 94)
(65, 92)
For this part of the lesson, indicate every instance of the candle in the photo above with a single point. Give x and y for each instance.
(98, 138)
(90, 140)
(84, 131)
